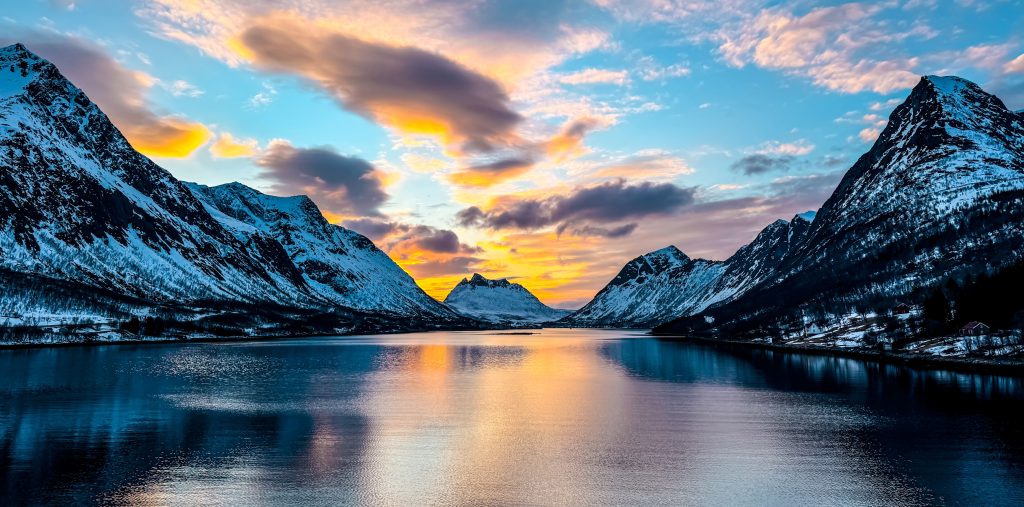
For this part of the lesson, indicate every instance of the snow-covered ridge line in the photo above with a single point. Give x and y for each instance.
(939, 197)
(665, 284)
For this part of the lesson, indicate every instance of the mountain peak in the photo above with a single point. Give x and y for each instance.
(947, 84)
(19, 67)
(670, 251)
(952, 98)
(478, 280)
(499, 301)
(17, 51)
(806, 216)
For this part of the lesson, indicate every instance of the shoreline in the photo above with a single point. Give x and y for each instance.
(958, 365)
(242, 338)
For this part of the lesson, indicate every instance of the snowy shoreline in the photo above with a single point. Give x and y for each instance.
(995, 366)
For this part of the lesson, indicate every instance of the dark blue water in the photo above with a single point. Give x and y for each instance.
(557, 418)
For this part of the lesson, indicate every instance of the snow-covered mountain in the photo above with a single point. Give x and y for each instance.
(83, 213)
(338, 264)
(665, 284)
(499, 301)
(650, 289)
(940, 195)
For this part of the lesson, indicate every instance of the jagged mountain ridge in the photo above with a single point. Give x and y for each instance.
(499, 301)
(78, 205)
(664, 284)
(339, 264)
(939, 195)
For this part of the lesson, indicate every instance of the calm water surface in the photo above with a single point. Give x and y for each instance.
(560, 417)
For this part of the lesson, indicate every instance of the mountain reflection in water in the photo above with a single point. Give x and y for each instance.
(558, 417)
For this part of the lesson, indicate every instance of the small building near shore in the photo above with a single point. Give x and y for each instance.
(975, 328)
(902, 309)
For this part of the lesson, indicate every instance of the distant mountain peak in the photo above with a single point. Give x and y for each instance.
(499, 301)
(479, 280)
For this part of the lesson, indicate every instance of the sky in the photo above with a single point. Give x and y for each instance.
(546, 141)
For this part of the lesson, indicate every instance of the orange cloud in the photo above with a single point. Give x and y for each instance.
(568, 143)
(486, 175)
(169, 137)
(226, 146)
(413, 91)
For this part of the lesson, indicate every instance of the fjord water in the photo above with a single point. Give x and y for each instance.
(497, 418)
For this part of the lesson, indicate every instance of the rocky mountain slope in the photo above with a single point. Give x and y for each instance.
(85, 215)
(336, 264)
(662, 285)
(939, 196)
(499, 301)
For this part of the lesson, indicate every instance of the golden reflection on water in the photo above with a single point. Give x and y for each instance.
(466, 432)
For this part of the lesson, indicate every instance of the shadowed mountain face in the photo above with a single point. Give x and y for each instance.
(80, 207)
(662, 285)
(499, 301)
(940, 195)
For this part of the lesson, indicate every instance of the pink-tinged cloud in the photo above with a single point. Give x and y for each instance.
(829, 45)
(410, 90)
(1015, 65)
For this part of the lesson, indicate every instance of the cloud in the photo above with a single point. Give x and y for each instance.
(646, 164)
(120, 93)
(797, 148)
(568, 142)
(492, 173)
(1015, 65)
(869, 134)
(885, 106)
(373, 228)
(601, 204)
(391, 236)
(432, 255)
(408, 89)
(182, 88)
(596, 76)
(834, 46)
(873, 121)
(339, 184)
(604, 232)
(651, 70)
(263, 97)
(458, 265)
(226, 146)
(760, 163)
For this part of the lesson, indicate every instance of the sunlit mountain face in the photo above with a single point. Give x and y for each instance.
(546, 141)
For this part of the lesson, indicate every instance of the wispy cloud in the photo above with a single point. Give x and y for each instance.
(596, 76)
